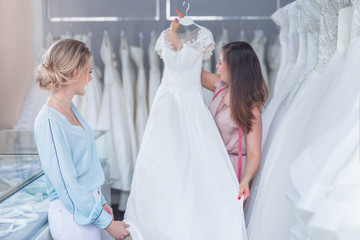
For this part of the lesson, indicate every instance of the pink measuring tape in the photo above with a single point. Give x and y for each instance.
(240, 139)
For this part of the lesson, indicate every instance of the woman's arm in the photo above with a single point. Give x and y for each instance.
(253, 149)
(174, 28)
(57, 162)
(208, 80)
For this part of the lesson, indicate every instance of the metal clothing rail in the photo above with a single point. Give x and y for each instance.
(101, 19)
(155, 18)
(219, 18)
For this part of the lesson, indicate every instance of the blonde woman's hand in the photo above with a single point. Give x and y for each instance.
(118, 230)
(175, 25)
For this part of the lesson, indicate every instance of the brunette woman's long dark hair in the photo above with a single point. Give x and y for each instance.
(247, 85)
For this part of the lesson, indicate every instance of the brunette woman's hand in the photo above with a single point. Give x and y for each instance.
(174, 28)
(244, 189)
(175, 25)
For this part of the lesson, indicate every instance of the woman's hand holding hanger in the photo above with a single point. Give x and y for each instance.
(174, 28)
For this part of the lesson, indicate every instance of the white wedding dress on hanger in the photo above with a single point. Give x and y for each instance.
(128, 80)
(273, 58)
(141, 110)
(258, 44)
(78, 99)
(184, 185)
(89, 104)
(113, 118)
(275, 197)
(221, 41)
(327, 204)
(280, 17)
(272, 116)
(271, 110)
(242, 36)
(154, 72)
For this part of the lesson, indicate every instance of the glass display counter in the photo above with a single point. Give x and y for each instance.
(23, 198)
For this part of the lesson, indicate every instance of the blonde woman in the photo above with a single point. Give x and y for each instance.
(67, 150)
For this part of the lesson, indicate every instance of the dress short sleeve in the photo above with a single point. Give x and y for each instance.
(206, 42)
(162, 42)
(202, 40)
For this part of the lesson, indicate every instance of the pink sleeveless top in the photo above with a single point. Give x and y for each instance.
(228, 128)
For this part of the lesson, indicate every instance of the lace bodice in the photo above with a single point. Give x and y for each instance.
(203, 41)
(344, 28)
(328, 29)
(310, 15)
(183, 67)
(280, 17)
(355, 25)
(294, 19)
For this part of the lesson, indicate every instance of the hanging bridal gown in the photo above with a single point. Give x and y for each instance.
(182, 160)
(154, 72)
(293, 50)
(258, 44)
(327, 205)
(89, 104)
(299, 35)
(330, 193)
(242, 36)
(77, 99)
(128, 80)
(275, 197)
(141, 115)
(222, 40)
(280, 17)
(113, 118)
(308, 50)
(274, 58)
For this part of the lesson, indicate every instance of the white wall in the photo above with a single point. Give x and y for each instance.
(16, 57)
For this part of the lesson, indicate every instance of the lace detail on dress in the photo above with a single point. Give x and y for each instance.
(293, 38)
(328, 29)
(311, 21)
(305, 74)
(163, 41)
(355, 25)
(204, 42)
(310, 16)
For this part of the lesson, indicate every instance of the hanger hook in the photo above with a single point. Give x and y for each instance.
(187, 9)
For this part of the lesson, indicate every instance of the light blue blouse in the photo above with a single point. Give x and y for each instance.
(71, 165)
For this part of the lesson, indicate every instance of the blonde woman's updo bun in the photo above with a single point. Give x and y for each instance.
(62, 64)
